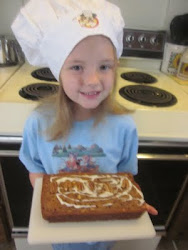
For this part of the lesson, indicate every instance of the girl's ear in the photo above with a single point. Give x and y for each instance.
(118, 63)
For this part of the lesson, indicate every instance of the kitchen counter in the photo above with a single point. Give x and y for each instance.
(6, 73)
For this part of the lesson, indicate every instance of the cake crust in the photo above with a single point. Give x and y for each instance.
(90, 197)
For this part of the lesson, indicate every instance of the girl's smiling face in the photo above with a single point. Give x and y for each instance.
(88, 73)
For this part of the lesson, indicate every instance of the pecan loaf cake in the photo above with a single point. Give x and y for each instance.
(90, 197)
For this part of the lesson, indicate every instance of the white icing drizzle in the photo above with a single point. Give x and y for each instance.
(98, 191)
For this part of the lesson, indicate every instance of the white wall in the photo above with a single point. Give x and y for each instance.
(8, 10)
(143, 14)
(151, 14)
(176, 7)
(138, 14)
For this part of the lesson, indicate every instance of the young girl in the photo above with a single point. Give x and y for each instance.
(82, 128)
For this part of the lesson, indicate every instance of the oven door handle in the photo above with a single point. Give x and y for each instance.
(163, 157)
(9, 153)
(140, 156)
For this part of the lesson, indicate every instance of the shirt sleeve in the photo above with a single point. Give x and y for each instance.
(28, 154)
(129, 162)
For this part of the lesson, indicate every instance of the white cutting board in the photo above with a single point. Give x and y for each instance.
(43, 232)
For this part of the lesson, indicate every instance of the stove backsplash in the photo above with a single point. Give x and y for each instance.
(144, 43)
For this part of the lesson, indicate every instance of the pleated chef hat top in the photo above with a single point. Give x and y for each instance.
(48, 30)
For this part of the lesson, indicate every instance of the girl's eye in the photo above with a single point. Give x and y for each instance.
(76, 67)
(105, 67)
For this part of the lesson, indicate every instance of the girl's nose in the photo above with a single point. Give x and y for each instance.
(91, 78)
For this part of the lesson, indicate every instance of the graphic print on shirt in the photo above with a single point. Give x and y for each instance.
(79, 158)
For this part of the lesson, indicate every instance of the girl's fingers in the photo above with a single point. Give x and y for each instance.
(151, 210)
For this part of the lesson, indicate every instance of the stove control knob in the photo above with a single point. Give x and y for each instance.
(154, 40)
(142, 38)
(129, 38)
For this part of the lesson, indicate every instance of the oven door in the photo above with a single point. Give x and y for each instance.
(16, 189)
(162, 173)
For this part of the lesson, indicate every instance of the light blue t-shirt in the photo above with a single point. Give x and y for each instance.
(110, 147)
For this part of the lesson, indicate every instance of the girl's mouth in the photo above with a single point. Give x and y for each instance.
(91, 94)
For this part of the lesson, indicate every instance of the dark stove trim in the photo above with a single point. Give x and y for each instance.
(37, 91)
(139, 77)
(44, 74)
(130, 98)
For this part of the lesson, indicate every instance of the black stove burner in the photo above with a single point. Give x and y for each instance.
(138, 77)
(38, 91)
(44, 74)
(146, 95)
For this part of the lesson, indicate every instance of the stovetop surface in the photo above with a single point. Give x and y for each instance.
(153, 123)
(10, 91)
(163, 82)
(22, 78)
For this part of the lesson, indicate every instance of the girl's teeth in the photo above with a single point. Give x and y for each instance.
(91, 93)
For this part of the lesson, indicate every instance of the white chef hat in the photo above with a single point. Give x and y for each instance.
(48, 30)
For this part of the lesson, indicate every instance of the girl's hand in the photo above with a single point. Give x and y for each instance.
(33, 177)
(151, 210)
